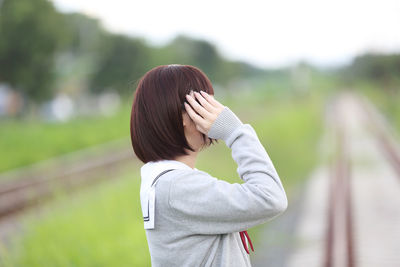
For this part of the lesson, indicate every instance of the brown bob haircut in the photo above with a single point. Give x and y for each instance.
(156, 124)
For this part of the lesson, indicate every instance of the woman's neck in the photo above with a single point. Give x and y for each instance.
(189, 160)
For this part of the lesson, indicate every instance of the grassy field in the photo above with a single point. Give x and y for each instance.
(388, 101)
(42, 140)
(102, 225)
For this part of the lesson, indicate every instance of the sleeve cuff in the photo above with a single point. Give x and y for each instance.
(225, 124)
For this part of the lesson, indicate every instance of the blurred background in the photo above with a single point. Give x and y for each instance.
(318, 80)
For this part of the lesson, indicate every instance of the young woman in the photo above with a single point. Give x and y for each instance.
(192, 218)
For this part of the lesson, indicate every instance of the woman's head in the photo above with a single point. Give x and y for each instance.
(159, 122)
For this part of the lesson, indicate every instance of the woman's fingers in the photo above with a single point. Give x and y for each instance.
(211, 100)
(198, 120)
(210, 108)
(197, 107)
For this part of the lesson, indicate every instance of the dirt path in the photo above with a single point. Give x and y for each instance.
(364, 227)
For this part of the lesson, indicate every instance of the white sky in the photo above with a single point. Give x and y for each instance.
(265, 33)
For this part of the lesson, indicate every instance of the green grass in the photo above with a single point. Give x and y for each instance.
(387, 101)
(99, 226)
(43, 140)
(102, 225)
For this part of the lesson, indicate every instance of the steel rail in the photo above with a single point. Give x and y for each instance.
(339, 244)
(16, 195)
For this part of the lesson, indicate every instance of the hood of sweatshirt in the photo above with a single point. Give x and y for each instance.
(149, 172)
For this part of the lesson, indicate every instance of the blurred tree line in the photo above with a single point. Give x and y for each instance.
(383, 71)
(43, 51)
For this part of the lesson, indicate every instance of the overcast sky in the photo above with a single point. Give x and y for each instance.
(265, 33)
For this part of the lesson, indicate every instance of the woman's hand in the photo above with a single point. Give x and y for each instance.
(205, 114)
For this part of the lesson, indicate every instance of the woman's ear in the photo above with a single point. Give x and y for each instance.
(185, 118)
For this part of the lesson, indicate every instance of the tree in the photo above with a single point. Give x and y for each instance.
(31, 31)
(200, 53)
(123, 60)
(379, 68)
(186, 50)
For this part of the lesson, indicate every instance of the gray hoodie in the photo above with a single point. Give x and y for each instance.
(195, 217)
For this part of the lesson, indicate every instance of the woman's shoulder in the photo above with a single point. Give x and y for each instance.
(181, 182)
(185, 176)
(184, 180)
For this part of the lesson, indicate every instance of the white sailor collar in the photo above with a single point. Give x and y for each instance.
(149, 172)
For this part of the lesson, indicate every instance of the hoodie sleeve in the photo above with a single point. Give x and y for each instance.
(207, 205)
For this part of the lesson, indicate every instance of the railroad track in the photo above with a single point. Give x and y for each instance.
(352, 206)
(339, 244)
(31, 187)
(340, 247)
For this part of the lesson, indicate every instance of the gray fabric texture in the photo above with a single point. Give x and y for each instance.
(199, 217)
(224, 125)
